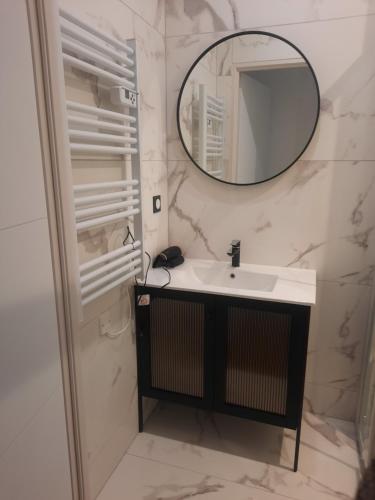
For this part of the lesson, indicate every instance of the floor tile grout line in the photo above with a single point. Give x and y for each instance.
(267, 26)
(180, 467)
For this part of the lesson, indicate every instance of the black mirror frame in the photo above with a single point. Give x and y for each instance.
(241, 33)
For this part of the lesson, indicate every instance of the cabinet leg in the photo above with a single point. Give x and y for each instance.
(296, 452)
(140, 412)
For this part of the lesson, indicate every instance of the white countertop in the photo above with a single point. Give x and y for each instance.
(293, 285)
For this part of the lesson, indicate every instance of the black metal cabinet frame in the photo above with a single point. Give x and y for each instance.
(215, 317)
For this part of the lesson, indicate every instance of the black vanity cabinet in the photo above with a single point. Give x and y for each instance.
(238, 356)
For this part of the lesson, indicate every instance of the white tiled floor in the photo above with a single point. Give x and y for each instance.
(186, 453)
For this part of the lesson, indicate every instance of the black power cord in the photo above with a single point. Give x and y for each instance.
(145, 280)
(130, 234)
(169, 277)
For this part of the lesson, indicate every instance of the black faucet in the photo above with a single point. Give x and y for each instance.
(235, 253)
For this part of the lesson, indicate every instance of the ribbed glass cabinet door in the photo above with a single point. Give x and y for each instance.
(257, 359)
(260, 359)
(175, 353)
(177, 333)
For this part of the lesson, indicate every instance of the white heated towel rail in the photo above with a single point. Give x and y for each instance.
(211, 114)
(99, 131)
(100, 275)
(108, 202)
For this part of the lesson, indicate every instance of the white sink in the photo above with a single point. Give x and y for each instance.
(223, 275)
(278, 284)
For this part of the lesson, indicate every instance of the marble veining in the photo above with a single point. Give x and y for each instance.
(301, 254)
(186, 453)
(187, 16)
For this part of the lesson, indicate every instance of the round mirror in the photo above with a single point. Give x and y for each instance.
(248, 107)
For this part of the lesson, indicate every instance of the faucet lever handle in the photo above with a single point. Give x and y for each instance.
(236, 243)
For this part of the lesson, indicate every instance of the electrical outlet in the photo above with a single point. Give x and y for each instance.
(156, 203)
(143, 300)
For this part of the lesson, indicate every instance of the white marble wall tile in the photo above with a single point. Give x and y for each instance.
(224, 58)
(146, 479)
(154, 182)
(338, 324)
(209, 61)
(346, 84)
(253, 454)
(261, 48)
(196, 16)
(331, 402)
(152, 11)
(151, 74)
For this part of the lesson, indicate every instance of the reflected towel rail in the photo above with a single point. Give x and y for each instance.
(210, 143)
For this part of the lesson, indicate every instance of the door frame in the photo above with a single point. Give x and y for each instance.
(237, 69)
(50, 99)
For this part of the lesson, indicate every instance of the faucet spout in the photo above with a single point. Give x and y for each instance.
(235, 253)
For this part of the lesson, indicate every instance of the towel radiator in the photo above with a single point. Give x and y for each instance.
(100, 131)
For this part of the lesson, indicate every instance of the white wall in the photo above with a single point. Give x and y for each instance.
(33, 443)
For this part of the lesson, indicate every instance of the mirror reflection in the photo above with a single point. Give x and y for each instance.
(248, 108)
